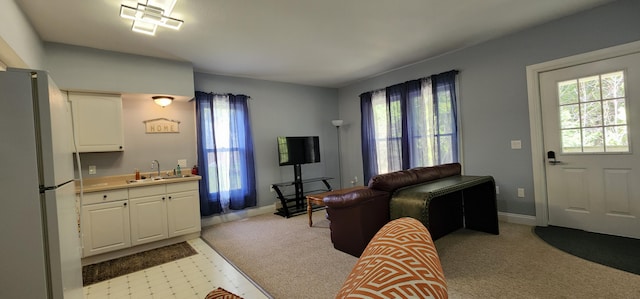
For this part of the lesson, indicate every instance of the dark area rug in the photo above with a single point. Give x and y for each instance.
(613, 251)
(128, 264)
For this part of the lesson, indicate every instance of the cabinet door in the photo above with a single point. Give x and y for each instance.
(97, 122)
(183, 209)
(105, 227)
(148, 219)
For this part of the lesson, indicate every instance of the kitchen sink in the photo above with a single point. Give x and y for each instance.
(154, 179)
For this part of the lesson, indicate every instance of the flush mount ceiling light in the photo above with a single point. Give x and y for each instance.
(150, 14)
(163, 101)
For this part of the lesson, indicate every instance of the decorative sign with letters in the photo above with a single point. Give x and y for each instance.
(161, 125)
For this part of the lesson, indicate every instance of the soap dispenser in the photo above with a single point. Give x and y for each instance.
(178, 171)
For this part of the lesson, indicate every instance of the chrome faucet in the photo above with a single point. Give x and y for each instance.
(155, 162)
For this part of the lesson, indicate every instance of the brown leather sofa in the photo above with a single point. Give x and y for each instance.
(357, 216)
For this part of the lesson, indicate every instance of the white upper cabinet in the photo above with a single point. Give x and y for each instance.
(97, 122)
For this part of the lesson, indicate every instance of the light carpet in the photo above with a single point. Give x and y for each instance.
(291, 260)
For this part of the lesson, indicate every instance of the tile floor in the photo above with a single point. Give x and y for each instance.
(191, 277)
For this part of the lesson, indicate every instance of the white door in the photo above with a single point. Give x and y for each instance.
(591, 122)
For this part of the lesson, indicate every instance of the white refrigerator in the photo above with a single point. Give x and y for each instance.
(40, 252)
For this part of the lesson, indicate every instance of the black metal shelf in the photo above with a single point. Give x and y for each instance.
(299, 197)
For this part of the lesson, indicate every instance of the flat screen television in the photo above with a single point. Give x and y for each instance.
(298, 150)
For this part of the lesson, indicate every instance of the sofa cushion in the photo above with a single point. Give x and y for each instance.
(393, 180)
(425, 174)
(449, 169)
(401, 261)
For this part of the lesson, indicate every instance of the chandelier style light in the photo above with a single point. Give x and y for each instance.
(149, 14)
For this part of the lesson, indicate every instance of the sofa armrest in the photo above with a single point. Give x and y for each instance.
(401, 261)
(354, 198)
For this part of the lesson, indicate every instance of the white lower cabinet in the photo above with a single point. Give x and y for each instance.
(148, 214)
(151, 213)
(183, 208)
(105, 222)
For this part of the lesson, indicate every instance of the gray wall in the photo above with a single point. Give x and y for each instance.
(493, 93)
(88, 69)
(20, 45)
(279, 109)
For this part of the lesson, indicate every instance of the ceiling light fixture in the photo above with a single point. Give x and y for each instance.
(163, 101)
(149, 15)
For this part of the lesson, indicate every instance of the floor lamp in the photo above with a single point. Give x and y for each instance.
(337, 123)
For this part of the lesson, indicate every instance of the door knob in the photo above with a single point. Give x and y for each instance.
(551, 155)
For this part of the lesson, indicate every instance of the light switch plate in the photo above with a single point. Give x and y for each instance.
(516, 144)
(182, 163)
(92, 169)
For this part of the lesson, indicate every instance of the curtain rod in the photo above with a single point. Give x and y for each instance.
(224, 94)
(384, 88)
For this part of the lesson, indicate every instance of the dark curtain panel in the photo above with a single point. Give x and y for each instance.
(369, 156)
(225, 153)
(416, 120)
(397, 146)
(209, 201)
(444, 97)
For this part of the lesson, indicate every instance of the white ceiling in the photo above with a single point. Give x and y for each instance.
(328, 43)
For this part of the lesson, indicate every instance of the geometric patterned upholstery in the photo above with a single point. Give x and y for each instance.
(400, 261)
(221, 293)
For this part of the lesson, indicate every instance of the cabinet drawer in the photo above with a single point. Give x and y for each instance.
(147, 191)
(182, 186)
(105, 196)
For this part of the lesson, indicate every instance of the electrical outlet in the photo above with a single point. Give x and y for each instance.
(92, 169)
(355, 179)
(182, 163)
(520, 192)
(497, 189)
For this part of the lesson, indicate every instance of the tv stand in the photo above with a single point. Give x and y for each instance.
(294, 204)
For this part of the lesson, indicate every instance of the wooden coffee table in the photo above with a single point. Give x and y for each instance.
(318, 199)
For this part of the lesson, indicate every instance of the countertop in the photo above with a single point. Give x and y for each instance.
(120, 182)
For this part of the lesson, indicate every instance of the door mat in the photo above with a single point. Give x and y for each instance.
(128, 264)
(612, 251)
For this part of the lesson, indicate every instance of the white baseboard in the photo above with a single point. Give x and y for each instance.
(246, 213)
(236, 215)
(517, 218)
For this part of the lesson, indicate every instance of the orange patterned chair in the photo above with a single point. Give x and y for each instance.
(401, 261)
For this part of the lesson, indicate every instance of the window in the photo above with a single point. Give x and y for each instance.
(593, 115)
(225, 153)
(409, 125)
(228, 176)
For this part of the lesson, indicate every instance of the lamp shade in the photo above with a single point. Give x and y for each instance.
(337, 122)
(162, 100)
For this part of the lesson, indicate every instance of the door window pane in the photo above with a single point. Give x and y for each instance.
(591, 114)
(616, 139)
(589, 89)
(592, 140)
(568, 92)
(571, 141)
(615, 112)
(613, 85)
